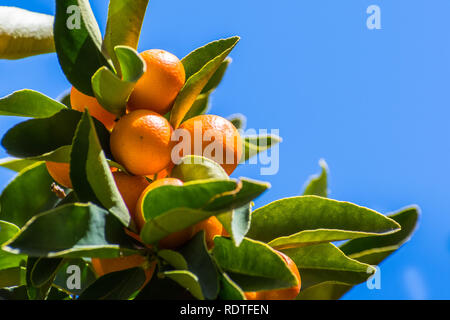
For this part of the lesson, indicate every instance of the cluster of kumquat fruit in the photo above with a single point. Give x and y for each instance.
(141, 141)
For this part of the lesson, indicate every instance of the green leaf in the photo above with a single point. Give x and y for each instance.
(240, 223)
(191, 168)
(39, 292)
(168, 209)
(73, 230)
(217, 77)
(238, 120)
(37, 137)
(254, 266)
(369, 250)
(325, 262)
(78, 43)
(317, 185)
(200, 106)
(15, 164)
(61, 154)
(68, 278)
(29, 103)
(14, 293)
(125, 18)
(44, 270)
(407, 218)
(8, 260)
(12, 277)
(120, 285)
(58, 294)
(163, 288)
(64, 98)
(200, 65)
(27, 195)
(199, 262)
(7, 231)
(24, 33)
(194, 167)
(306, 220)
(229, 290)
(90, 173)
(253, 145)
(174, 258)
(187, 280)
(113, 92)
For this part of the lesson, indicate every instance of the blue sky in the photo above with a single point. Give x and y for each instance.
(373, 103)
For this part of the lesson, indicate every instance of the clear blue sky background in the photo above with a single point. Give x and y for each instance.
(373, 104)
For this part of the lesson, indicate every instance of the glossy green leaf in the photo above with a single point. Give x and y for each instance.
(64, 98)
(191, 168)
(194, 167)
(62, 154)
(44, 270)
(90, 174)
(73, 230)
(14, 293)
(9, 260)
(407, 218)
(240, 223)
(57, 294)
(39, 292)
(200, 65)
(317, 184)
(12, 277)
(254, 266)
(16, 164)
(37, 137)
(174, 258)
(330, 290)
(120, 285)
(113, 92)
(200, 106)
(125, 18)
(27, 195)
(325, 262)
(163, 288)
(217, 77)
(253, 145)
(229, 290)
(78, 43)
(199, 262)
(168, 209)
(74, 276)
(306, 220)
(187, 280)
(24, 33)
(29, 103)
(7, 231)
(369, 250)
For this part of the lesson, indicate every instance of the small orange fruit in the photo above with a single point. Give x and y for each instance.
(157, 89)
(282, 294)
(175, 239)
(60, 172)
(130, 188)
(213, 137)
(104, 266)
(141, 141)
(140, 221)
(212, 227)
(80, 102)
